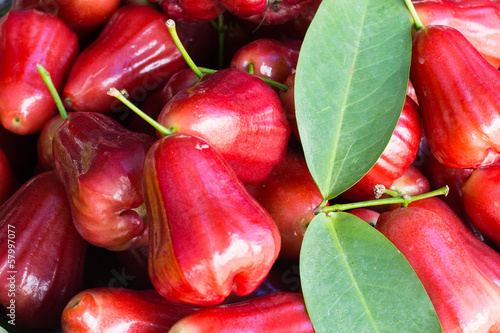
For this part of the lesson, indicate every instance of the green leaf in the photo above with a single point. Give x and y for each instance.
(355, 280)
(350, 87)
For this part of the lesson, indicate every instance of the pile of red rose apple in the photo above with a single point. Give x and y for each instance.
(194, 223)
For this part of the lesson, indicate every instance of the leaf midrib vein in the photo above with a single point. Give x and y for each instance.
(342, 109)
(342, 255)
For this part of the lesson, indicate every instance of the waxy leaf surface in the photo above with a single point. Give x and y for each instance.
(350, 87)
(355, 280)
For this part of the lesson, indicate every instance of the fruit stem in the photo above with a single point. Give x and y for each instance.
(380, 190)
(276, 84)
(173, 32)
(404, 200)
(163, 130)
(53, 91)
(416, 19)
(251, 68)
(221, 32)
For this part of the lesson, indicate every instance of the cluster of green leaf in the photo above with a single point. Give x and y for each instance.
(350, 88)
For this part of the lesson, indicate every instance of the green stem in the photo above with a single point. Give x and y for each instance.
(392, 193)
(222, 38)
(404, 200)
(173, 32)
(53, 91)
(205, 70)
(278, 85)
(163, 130)
(221, 30)
(416, 19)
(251, 68)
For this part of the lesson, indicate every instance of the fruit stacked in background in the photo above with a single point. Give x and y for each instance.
(199, 184)
(81, 146)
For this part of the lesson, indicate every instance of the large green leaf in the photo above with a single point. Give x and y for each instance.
(355, 280)
(350, 87)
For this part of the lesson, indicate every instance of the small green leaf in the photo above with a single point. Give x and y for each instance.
(350, 87)
(355, 280)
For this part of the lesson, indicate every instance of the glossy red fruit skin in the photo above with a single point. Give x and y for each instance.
(465, 299)
(477, 20)
(134, 52)
(481, 193)
(153, 105)
(287, 99)
(208, 237)
(273, 283)
(244, 8)
(397, 156)
(279, 12)
(8, 180)
(412, 182)
(121, 310)
(45, 155)
(410, 92)
(368, 215)
(251, 133)
(271, 58)
(26, 35)
(290, 195)
(459, 98)
(276, 312)
(48, 253)
(265, 11)
(440, 175)
(82, 16)
(485, 257)
(297, 27)
(191, 10)
(100, 163)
